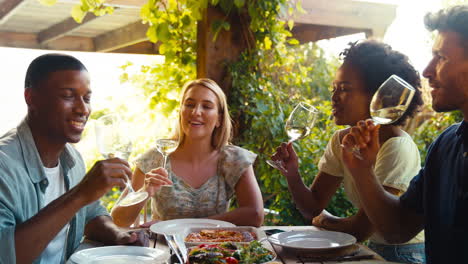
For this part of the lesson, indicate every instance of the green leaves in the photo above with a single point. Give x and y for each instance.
(219, 25)
(239, 3)
(162, 32)
(78, 14)
(97, 7)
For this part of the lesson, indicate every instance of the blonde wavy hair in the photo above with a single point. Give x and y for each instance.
(222, 134)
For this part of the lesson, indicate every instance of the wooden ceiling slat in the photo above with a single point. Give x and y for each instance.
(61, 29)
(8, 8)
(122, 37)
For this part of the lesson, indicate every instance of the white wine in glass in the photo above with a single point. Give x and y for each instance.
(297, 132)
(389, 104)
(298, 126)
(166, 146)
(113, 141)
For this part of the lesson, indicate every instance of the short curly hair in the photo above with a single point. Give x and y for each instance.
(376, 62)
(454, 18)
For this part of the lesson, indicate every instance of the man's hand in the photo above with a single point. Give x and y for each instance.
(288, 157)
(364, 135)
(104, 175)
(136, 238)
(155, 179)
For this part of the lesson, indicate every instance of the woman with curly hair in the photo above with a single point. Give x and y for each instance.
(366, 65)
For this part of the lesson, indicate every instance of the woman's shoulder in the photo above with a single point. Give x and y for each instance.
(340, 134)
(402, 139)
(149, 160)
(232, 152)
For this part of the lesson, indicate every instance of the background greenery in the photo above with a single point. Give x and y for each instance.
(270, 77)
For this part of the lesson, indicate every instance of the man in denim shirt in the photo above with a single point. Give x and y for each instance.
(437, 198)
(42, 218)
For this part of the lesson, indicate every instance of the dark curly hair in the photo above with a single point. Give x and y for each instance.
(376, 61)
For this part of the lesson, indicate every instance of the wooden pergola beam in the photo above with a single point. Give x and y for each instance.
(372, 18)
(311, 33)
(29, 41)
(122, 37)
(61, 29)
(8, 8)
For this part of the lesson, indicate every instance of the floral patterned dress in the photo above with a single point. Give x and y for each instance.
(180, 200)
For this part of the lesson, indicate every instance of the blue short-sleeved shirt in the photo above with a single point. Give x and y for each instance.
(440, 193)
(22, 186)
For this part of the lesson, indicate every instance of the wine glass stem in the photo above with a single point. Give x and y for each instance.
(129, 184)
(165, 161)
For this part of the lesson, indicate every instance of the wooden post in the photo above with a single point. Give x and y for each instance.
(213, 56)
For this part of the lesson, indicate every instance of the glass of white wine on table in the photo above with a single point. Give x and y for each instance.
(388, 104)
(113, 141)
(298, 126)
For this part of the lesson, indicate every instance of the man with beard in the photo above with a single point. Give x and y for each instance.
(47, 201)
(437, 199)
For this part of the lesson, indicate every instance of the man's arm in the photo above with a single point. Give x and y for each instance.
(33, 236)
(396, 223)
(357, 225)
(103, 229)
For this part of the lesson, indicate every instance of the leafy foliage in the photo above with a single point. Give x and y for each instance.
(431, 129)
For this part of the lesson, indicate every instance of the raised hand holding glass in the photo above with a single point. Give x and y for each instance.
(113, 141)
(388, 104)
(298, 126)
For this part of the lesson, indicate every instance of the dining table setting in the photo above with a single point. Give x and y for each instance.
(213, 241)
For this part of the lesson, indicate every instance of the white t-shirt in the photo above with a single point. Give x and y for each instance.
(54, 250)
(398, 161)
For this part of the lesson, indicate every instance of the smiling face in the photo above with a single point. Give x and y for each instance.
(447, 73)
(199, 113)
(60, 105)
(350, 100)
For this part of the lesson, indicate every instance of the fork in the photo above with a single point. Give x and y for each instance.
(177, 248)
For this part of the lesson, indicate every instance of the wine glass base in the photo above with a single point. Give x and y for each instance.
(277, 165)
(355, 150)
(133, 198)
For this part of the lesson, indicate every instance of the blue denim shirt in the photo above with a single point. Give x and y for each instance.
(440, 193)
(22, 186)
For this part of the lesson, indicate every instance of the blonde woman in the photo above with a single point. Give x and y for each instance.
(204, 172)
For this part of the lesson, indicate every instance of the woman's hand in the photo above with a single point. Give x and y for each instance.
(288, 157)
(325, 220)
(155, 179)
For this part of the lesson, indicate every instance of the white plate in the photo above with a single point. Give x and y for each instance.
(172, 227)
(116, 255)
(312, 240)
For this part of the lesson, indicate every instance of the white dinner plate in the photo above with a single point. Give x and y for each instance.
(312, 240)
(116, 255)
(172, 227)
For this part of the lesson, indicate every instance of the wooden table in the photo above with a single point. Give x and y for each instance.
(284, 256)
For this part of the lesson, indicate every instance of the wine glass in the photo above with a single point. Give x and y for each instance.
(298, 126)
(167, 141)
(113, 141)
(389, 103)
(166, 146)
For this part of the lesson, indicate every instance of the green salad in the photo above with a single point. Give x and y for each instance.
(230, 253)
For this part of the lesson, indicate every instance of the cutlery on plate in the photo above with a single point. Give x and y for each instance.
(177, 247)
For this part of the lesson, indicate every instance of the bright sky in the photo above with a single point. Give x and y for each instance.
(407, 34)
